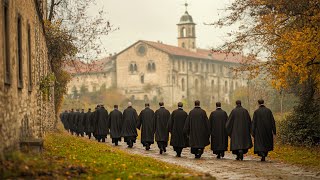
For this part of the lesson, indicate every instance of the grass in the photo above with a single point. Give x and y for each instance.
(66, 156)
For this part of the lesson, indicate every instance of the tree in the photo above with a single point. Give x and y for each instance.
(72, 35)
(287, 32)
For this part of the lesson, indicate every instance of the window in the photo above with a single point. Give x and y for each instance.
(196, 67)
(142, 79)
(207, 67)
(202, 69)
(151, 67)
(212, 84)
(19, 53)
(193, 46)
(179, 65)
(182, 84)
(190, 66)
(183, 64)
(221, 69)
(183, 32)
(173, 80)
(6, 49)
(183, 45)
(133, 67)
(29, 60)
(213, 66)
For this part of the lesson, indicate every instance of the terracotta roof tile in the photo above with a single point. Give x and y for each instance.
(199, 53)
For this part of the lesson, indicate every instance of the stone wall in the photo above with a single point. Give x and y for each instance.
(23, 111)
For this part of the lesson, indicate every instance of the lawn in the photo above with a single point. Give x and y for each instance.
(66, 156)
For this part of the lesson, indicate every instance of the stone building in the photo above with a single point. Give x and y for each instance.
(23, 63)
(153, 71)
(93, 76)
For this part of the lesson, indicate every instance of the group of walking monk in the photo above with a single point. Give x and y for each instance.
(187, 130)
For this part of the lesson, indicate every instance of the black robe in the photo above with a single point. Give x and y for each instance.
(197, 127)
(146, 123)
(219, 136)
(115, 123)
(76, 118)
(130, 120)
(238, 128)
(175, 126)
(64, 119)
(101, 122)
(71, 121)
(81, 123)
(263, 129)
(162, 116)
(89, 126)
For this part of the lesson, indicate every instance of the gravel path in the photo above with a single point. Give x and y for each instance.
(227, 168)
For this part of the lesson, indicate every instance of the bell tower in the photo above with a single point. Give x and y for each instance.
(187, 31)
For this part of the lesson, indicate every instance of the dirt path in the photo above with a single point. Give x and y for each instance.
(227, 168)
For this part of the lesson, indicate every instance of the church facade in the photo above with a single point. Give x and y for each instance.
(153, 71)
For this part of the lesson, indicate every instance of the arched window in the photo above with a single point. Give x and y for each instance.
(196, 84)
(153, 67)
(135, 67)
(183, 32)
(182, 84)
(149, 68)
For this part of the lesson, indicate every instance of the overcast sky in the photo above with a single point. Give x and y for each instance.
(155, 20)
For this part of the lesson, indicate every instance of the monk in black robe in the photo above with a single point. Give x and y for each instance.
(175, 127)
(219, 136)
(94, 115)
(129, 130)
(70, 121)
(101, 124)
(76, 121)
(197, 128)
(263, 130)
(238, 128)
(147, 126)
(89, 129)
(115, 125)
(162, 116)
(63, 118)
(81, 123)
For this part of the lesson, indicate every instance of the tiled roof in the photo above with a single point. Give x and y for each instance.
(79, 67)
(199, 53)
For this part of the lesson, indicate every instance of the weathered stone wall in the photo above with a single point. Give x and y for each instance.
(23, 112)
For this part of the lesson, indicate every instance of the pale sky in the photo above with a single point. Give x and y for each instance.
(155, 20)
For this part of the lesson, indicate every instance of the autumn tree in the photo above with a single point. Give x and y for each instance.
(281, 39)
(72, 35)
